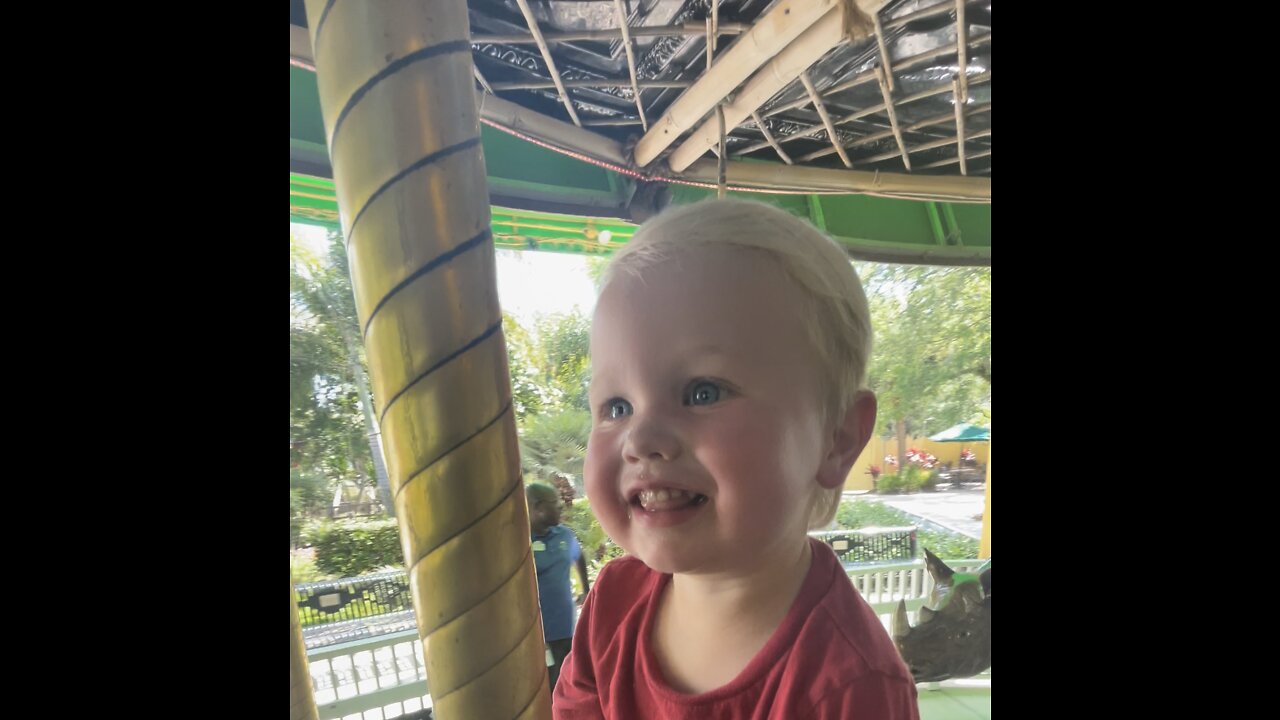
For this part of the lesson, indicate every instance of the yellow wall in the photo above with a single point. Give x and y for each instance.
(984, 549)
(879, 447)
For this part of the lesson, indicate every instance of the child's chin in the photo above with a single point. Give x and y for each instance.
(670, 563)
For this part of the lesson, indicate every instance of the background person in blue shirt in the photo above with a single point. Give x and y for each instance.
(555, 548)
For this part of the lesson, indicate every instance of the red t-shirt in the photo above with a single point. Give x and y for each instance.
(829, 658)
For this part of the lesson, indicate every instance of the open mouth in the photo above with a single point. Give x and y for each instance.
(666, 499)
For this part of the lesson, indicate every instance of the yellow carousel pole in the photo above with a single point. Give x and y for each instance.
(398, 99)
(302, 702)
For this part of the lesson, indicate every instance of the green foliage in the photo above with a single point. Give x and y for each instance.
(328, 436)
(931, 363)
(596, 545)
(908, 479)
(852, 515)
(553, 446)
(566, 345)
(303, 570)
(308, 494)
(549, 363)
(528, 390)
(348, 549)
(857, 514)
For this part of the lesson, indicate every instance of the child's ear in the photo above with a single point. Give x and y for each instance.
(850, 437)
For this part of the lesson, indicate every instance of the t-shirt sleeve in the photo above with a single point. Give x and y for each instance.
(873, 696)
(576, 696)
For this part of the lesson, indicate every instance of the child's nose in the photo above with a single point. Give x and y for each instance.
(650, 439)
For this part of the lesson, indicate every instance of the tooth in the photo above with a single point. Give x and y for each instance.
(661, 496)
(677, 494)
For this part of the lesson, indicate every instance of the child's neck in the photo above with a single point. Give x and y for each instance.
(710, 626)
(769, 582)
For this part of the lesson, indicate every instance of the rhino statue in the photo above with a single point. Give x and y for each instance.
(952, 637)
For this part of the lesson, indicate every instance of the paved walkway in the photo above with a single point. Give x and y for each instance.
(958, 510)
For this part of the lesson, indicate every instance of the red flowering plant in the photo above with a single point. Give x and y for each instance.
(921, 458)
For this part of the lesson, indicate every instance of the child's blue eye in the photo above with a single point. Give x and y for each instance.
(617, 408)
(703, 392)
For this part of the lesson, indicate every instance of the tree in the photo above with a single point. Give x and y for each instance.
(550, 373)
(331, 412)
(308, 493)
(554, 446)
(549, 363)
(528, 389)
(595, 270)
(566, 348)
(931, 362)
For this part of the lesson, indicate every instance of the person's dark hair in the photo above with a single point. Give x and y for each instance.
(535, 492)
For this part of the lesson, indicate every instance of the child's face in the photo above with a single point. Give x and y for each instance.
(704, 382)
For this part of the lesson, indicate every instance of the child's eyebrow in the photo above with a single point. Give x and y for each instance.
(598, 381)
(712, 350)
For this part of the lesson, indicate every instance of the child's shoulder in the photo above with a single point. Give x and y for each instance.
(622, 583)
(841, 631)
(850, 630)
(626, 570)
